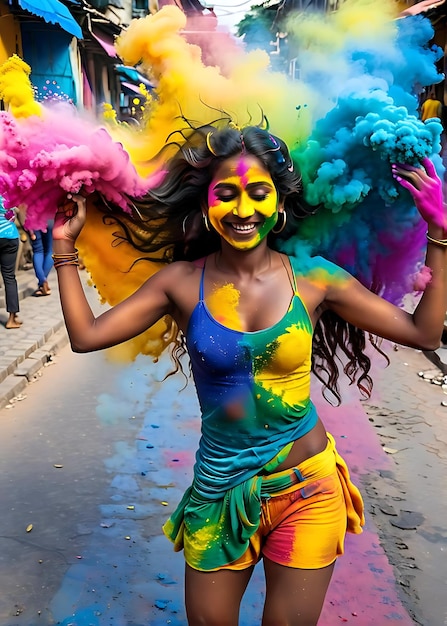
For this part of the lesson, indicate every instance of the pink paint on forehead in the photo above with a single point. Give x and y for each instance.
(242, 170)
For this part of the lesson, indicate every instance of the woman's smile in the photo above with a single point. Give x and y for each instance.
(242, 227)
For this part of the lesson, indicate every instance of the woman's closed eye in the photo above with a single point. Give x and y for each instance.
(257, 196)
(226, 197)
(260, 196)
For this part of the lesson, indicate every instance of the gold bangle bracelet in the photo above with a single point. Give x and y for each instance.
(64, 255)
(442, 243)
(58, 264)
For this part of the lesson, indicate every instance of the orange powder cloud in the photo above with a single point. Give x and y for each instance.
(184, 85)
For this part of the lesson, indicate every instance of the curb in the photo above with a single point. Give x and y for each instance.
(24, 355)
(22, 360)
(28, 368)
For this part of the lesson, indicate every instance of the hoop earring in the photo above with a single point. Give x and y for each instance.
(205, 222)
(185, 219)
(283, 225)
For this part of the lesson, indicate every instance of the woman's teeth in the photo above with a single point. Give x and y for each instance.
(243, 227)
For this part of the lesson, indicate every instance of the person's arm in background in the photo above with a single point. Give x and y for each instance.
(21, 215)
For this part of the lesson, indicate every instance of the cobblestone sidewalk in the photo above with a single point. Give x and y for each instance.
(25, 350)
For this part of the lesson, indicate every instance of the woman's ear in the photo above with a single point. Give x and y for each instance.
(281, 202)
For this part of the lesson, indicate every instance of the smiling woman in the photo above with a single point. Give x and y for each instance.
(224, 182)
(268, 481)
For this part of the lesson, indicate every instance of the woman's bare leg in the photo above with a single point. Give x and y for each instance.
(213, 598)
(294, 597)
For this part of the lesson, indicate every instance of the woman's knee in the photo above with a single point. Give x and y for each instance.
(213, 598)
(206, 608)
(294, 597)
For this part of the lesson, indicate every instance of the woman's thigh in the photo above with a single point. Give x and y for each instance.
(213, 598)
(294, 597)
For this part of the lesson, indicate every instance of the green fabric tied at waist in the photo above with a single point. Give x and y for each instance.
(215, 533)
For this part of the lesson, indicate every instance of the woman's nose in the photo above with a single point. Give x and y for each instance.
(244, 208)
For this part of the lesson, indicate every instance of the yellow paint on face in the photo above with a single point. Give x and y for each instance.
(242, 202)
(223, 305)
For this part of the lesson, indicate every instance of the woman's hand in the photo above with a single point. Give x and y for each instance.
(70, 219)
(426, 188)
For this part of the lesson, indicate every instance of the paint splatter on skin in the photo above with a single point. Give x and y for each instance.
(431, 208)
(223, 305)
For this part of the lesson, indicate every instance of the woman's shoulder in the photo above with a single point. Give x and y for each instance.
(179, 270)
(306, 265)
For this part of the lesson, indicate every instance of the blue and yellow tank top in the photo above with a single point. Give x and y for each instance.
(253, 389)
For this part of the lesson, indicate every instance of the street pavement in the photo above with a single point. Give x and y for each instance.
(374, 595)
(26, 350)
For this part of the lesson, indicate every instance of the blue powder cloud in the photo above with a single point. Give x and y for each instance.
(366, 221)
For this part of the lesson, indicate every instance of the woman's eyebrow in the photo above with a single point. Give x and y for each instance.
(264, 183)
(256, 183)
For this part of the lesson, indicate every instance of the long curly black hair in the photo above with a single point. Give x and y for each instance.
(167, 225)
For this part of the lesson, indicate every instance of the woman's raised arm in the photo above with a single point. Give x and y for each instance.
(120, 323)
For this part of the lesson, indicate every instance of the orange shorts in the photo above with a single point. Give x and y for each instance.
(303, 526)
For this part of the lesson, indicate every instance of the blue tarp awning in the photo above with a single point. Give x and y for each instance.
(132, 75)
(54, 12)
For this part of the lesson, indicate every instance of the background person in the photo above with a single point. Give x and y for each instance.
(431, 107)
(9, 246)
(42, 246)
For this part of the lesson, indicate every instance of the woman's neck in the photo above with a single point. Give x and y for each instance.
(243, 263)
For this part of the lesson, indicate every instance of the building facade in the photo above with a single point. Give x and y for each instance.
(69, 45)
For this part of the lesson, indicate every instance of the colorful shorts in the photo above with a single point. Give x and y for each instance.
(303, 526)
(300, 520)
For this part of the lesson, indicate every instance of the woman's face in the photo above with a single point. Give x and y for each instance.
(242, 201)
